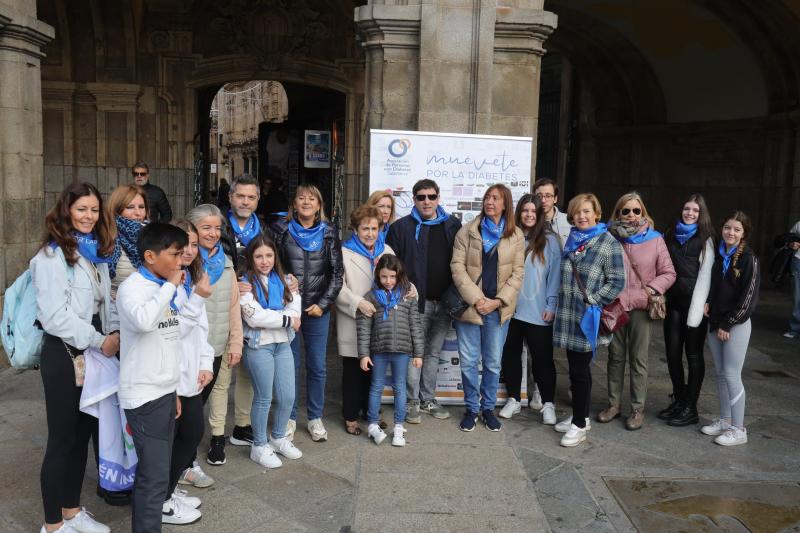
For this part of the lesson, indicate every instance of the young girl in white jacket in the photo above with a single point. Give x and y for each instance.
(271, 315)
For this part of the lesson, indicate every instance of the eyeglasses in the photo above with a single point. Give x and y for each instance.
(137, 174)
(625, 212)
(545, 196)
(431, 197)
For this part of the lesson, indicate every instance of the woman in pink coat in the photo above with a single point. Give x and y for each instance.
(648, 271)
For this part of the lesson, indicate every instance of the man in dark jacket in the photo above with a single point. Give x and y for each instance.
(424, 240)
(160, 211)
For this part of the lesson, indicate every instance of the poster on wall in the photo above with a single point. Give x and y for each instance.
(317, 153)
(464, 166)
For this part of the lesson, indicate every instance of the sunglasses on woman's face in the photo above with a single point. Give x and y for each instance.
(625, 212)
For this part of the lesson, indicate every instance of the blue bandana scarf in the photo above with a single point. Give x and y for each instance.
(441, 216)
(578, 238)
(127, 233)
(214, 264)
(590, 325)
(310, 239)
(726, 257)
(87, 247)
(274, 297)
(187, 281)
(251, 229)
(149, 276)
(388, 299)
(355, 244)
(491, 233)
(684, 232)
(382, 234)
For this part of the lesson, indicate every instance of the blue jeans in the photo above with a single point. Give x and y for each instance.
(315, 340)
(485, 343)
(794, 323)
(270, 366)
(399, 364)
(421, 382)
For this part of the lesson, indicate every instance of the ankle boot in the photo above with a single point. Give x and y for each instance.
(685, 417)
(672, 409)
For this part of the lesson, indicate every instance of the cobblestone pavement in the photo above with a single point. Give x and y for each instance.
(520, 479)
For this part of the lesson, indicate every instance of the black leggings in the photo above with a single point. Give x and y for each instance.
(68, 432)
(204, 398)
(677, 338)
(580, 383)
(355, 389)
(540, 348)
(189, 428)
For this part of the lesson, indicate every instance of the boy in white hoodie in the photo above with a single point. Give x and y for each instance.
(150, 354)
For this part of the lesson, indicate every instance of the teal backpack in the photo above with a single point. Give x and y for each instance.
(21, 333)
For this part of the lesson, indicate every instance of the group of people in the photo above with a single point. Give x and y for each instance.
(186, 305)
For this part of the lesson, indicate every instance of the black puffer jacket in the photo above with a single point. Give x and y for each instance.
(319, 273)
(400, 332)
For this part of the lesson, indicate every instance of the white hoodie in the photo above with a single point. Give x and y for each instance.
(150, 348)
(196, 353)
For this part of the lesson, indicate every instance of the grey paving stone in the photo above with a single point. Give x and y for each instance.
(285, 487)
(565, 500)
(334, 513)
(466, 521)
(536, 464)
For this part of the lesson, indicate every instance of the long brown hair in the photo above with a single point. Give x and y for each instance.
(376, 197)
(392, 262)
(58, 226)
(705, 228)
(508, 207)
(747, 227)
(253, 275)
(537, 235)
(196, 267)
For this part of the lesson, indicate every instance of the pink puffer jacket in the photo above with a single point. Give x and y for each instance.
(655, 266)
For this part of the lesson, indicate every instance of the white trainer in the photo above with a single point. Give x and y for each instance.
(399, 435)
(717, 427)
(196, 477)
(188, 501)
(175, 512)
(573, 437)
(291, 427)
(535, 401)
(549, 414)
(317, 430)
(265, 456)
(566, 424)
(732, 436)
(285, 448)
(65, 528)
(376, 433)
(84, 522)
(511, 408)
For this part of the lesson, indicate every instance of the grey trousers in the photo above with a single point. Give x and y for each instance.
(728, 363)
(153, 427)
(421, 382)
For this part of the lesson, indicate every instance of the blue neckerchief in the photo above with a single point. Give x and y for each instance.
(388, 299)
(355, 244)
(642, 236)
(441, 216)
(87, 247)
(149, 276)
(187, 281)
(726, 257)
(251, 229)
(578, 238)
(127, 233)
(590, 325)
(310, 239)
(491, 233)
(214, 264)
(382, 234)
(274, 297)
(684, 232)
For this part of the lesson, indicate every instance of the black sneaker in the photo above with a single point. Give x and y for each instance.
(469, 421)
(113, 497)
(490, 421)
(216, 453)
(242, 436)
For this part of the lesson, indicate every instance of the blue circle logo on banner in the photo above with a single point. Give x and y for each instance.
(399, 147)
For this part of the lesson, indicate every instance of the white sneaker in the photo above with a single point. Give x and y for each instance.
(717, 427)
(549, 414)
(265, 456)
(175, 512)
(84, 522)
(399, 435)
(574, 436)
(285, 448)
(566, 424)
(511, 408)
(376, 433)
(188, 501)
(317, 430)
(196, 477)
(291, 426)
(732, 437)
(65, 528)
(535, 401)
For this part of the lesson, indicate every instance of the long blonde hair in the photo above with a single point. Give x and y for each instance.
(376, 197)
(320, 217)
(627, 197)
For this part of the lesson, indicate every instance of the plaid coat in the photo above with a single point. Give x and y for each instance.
(602, 270)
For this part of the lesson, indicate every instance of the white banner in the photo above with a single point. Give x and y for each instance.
(463, 166)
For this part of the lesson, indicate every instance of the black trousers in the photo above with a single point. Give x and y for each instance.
(540, 349)
(580, 383)
(189, 429)
(204, 397)
(68, 432)
(355, 389)
(678, 337)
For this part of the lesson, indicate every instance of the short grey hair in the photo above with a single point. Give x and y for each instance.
(245, 179)
(140, 164)
(202, 211)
